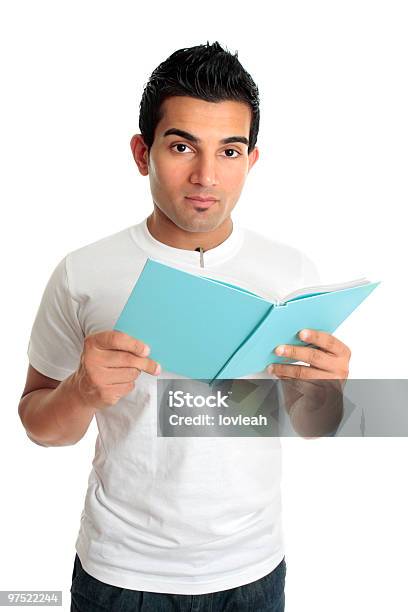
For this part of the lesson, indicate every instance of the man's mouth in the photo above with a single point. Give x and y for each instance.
(201, 204)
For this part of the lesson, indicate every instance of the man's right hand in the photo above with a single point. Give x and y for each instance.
(111, 361)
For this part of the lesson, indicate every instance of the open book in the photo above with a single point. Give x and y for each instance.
(203, 328)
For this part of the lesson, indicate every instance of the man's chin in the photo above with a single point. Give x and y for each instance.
(200, 222)
(200, 225)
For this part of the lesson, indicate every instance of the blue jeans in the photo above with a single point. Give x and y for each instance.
(264, 595)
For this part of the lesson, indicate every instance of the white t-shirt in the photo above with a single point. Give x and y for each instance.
(167, 514)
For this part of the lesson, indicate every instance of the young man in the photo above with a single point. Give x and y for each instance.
(170, 523)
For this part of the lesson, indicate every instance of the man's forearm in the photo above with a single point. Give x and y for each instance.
(56, 417)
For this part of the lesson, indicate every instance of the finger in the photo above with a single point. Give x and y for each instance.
(314, 356)
(115, 376)
(148, 365)
(284, 370)
(116, 359)
(116, 340)
(142, 364)
(323, 340)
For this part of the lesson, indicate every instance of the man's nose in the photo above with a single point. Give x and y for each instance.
(205, 171)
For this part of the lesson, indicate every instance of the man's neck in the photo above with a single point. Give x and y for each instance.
(164, 230)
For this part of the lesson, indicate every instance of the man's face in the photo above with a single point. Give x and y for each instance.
(179, 167)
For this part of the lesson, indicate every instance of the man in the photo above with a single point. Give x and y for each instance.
(171, 523)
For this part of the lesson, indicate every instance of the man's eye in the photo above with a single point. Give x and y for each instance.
(180, 144)
(235, 151)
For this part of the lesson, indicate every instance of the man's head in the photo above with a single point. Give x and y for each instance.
(205, 94)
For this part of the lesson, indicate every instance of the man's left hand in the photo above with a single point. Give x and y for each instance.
(328, 358)
(314, 405)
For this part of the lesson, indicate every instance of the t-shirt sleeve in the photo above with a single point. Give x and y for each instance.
(56, 339)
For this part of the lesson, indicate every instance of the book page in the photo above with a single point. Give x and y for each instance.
(317, 289)
(236, 287)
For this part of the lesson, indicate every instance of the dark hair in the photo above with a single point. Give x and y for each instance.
(207, 72)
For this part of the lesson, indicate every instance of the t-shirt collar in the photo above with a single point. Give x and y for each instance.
(161, 251)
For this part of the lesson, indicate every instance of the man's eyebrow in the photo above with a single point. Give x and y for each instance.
(196, 140)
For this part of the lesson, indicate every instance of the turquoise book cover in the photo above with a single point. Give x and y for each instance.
(203, 328)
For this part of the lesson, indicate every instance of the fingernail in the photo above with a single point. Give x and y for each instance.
(304, 334)
(158, 369)
(280, 349)
(146, 350)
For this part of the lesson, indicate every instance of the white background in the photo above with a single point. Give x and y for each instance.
(331, 180)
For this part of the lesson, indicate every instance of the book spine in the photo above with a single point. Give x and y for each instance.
(243, 344)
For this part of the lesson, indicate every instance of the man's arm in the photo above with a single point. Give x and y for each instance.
(59, 413)
(52, 412)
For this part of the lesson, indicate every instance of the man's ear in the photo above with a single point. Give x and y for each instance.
(140, 153)
(253, 157)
